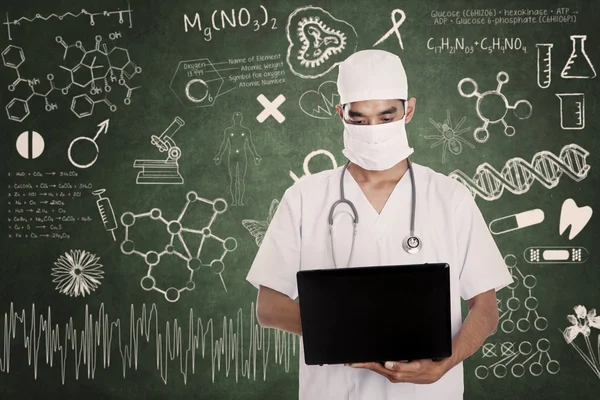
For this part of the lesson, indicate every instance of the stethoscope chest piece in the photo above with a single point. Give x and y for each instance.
(412, 244)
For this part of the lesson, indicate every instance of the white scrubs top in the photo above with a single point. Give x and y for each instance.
(450, 226)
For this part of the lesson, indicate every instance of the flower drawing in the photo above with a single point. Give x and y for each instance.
(77, 273)
(582, 323)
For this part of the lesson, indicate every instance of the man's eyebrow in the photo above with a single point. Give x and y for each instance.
(355, 114)
(390, 110)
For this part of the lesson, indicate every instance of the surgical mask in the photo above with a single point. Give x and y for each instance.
(376, 147)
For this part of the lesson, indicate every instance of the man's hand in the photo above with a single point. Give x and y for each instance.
(418, 371)
(481, 321)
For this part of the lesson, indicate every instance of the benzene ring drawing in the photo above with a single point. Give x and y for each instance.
(492, 107)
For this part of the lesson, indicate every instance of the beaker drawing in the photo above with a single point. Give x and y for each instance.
(572, 110)
(578, 65)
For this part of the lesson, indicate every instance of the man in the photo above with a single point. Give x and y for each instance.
(374, 110)
(237, 137)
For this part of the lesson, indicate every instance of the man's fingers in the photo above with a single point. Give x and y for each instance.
(369, 365)
(394, 375)
(373, 366)
(397, 366)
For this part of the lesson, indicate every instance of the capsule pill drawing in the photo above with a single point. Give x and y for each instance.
(516, 221)
(555, 255)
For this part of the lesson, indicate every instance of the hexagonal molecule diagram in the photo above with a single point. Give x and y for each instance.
(192, 259)
(91, 72)
(492, 107)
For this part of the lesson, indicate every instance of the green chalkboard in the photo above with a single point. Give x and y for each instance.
(146, 143)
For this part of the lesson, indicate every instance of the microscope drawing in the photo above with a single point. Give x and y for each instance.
(157, 172)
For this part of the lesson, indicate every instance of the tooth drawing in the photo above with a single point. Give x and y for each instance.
(573, 216)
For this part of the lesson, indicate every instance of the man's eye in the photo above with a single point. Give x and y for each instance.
(388, 119)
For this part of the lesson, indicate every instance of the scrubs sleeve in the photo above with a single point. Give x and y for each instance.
(278, 257)
(482, 266)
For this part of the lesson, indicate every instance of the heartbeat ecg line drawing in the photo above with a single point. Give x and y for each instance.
(22, 20)
(101, 339)
(517, 175)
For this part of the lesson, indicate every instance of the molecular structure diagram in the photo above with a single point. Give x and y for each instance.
(94, 70)
(524, 354)
(175, 229)
(510, 355)
(495, 105)
(513, 303)
(518, 175)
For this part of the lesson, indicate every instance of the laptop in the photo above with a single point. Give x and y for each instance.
(375, 314)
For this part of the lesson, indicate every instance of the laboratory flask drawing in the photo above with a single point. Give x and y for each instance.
(578, 66)
(488, 104)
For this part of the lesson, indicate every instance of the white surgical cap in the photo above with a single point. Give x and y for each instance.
(372, 75)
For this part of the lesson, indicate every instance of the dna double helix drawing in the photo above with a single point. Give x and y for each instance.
(518, 175)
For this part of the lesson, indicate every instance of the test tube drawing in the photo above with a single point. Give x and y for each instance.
(572, 110)
(106, 212)
(516, 221)
(544, 64)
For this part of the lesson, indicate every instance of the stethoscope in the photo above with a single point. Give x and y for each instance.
(411, 244)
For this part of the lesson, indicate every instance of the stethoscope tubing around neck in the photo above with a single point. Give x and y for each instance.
(343, 199)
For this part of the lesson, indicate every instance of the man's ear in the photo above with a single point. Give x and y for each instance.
(340, 111)
(410, 108)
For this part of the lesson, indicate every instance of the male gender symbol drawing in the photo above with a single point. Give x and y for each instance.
(237, 137)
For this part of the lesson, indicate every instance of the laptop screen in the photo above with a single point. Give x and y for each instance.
(375, 313)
